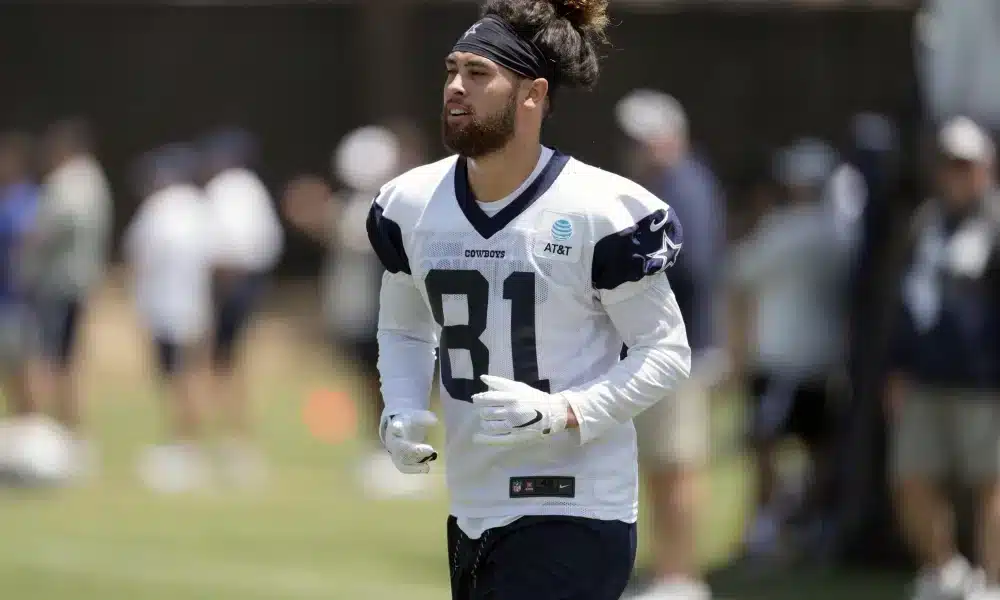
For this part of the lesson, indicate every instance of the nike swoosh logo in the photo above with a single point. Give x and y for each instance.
(538, 417)
(657, 225)
(564, 486)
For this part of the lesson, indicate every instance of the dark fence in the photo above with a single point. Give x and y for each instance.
(303, 76)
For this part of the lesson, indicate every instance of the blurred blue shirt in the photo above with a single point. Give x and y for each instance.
(693, 192)
(18, 207)
(955, 343)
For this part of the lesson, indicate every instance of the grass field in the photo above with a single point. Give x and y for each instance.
(310, 535)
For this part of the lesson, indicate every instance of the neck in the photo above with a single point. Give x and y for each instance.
(495, 176)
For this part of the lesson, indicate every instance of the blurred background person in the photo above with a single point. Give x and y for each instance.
(793, 266)
(364, 160)
(18, 332)
(34, 449)
(673, 437)
(68, 257)
(957, 48)
(248, 239)
(170, 255)
(942, 396)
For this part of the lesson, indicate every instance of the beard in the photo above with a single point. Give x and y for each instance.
(481, 136)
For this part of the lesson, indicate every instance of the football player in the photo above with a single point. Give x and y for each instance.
(526, 270)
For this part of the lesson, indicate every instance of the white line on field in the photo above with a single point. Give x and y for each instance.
(124, 564)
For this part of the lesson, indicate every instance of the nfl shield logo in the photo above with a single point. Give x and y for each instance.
(515, 487)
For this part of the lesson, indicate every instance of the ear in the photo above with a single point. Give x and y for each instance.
(538, 91)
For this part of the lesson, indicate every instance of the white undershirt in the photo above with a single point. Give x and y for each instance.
(492, 208)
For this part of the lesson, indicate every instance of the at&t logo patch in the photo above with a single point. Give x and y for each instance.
(558, 237)
(562, 230)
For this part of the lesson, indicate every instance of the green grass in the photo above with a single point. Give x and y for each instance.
(310, 535)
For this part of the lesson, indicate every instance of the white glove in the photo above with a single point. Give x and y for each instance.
(513, 413)
(403, 435)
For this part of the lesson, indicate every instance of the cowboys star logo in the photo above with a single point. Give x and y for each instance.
(663, 254)
(470, 31)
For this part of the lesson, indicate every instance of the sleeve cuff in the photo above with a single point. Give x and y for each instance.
(587, 427)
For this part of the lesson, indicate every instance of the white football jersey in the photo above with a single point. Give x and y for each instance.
(522, 294)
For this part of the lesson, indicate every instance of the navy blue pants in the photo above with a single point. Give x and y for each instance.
(59, 320)
(543, 558)
(235, 304)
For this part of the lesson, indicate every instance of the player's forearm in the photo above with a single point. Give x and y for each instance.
(406, 342)
(645, 377)
(659, 358)
(406, 367)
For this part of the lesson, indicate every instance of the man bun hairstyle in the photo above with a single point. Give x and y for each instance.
(586, 15)
(568, 32)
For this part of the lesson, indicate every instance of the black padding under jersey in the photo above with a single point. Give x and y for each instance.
(387, 240)
(647, 248)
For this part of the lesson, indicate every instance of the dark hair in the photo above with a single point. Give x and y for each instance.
(567, 31)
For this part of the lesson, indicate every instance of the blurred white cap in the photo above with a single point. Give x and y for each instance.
(962, 139)
(367, 157)
(645, 114)
(807, 162)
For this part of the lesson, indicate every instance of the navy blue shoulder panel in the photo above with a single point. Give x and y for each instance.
(647, 248)
(387, 240)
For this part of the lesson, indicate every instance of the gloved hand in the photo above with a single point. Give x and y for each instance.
(403, 435)
(513, 413)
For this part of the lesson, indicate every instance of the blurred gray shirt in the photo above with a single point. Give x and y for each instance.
(795, 265)
(74, 226)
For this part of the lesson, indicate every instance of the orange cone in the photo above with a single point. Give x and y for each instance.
(330, 416)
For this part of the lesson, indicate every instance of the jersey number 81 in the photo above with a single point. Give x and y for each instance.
(519, 289)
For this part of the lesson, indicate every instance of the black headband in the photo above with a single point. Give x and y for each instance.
(496, 40)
